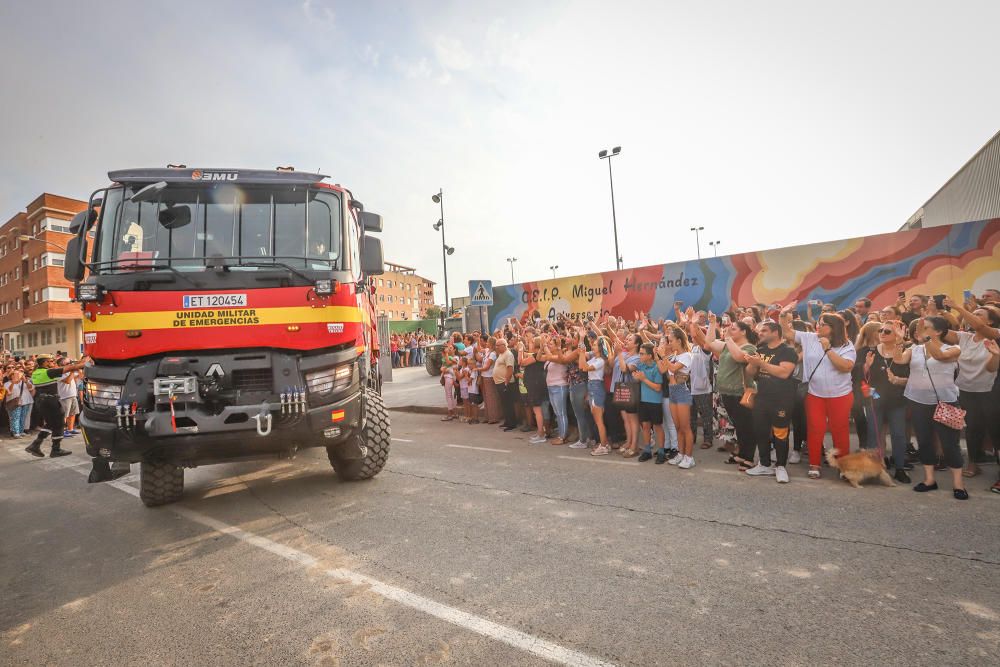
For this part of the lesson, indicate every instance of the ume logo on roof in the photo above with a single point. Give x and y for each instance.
(199, 175)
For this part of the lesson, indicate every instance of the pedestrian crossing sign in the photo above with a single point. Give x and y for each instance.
(481, 292)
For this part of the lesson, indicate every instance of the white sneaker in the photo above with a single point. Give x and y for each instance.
(687, 463)
(761, 471)
(794, 457)
(578, 445)
(676, 460)
(781, 475)
(537, 440)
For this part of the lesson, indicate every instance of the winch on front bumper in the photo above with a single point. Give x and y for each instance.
(207, 408)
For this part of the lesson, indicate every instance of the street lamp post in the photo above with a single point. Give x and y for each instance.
(445, 249)
(554, 267)
(25, 237)
(511, 260)
(715, 247)
(614, 219)
(697, 239)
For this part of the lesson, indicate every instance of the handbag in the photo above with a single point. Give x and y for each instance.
(10, 402)
(803, 387)
(950, 415)
(626, 395)
(749, 393)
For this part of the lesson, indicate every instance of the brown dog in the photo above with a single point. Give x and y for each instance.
(859, 466)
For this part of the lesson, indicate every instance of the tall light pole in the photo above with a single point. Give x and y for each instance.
(25, 238)
(554, 267)
(715, 247)
(445, 249)
(614, 220)
(511, 260)
(697, 239)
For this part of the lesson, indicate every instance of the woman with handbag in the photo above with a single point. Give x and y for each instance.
(14, 391)
(740, 340)
(625, 363)
(828, 358)
(977, 373)
(933, 398)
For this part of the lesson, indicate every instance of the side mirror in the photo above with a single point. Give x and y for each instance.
(73, 268)
(81, 220)
(174, 217)
(371, 222)
(372, 263)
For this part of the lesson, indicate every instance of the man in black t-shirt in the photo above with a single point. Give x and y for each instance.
(773, 365)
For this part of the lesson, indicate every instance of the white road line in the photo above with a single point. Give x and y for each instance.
(481, 449)
(596, 459)
(401, 440)
(520, 640)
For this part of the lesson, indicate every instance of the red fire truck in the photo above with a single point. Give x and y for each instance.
(229, 316)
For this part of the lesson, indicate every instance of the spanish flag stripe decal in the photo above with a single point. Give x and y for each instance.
(167, 319)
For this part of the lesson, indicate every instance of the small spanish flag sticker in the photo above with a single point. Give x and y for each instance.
(337, 416)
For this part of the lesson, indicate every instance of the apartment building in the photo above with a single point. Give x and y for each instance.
(402, 294)
(36, 314)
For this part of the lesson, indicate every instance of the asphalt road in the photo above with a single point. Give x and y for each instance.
(509, 554)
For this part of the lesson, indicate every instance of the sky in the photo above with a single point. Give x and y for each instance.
(770, 123)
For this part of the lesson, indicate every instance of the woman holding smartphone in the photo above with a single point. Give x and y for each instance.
(594, 365)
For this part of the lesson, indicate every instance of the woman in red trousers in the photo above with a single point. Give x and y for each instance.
(827, 360)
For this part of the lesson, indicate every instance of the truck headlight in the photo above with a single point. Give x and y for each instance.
(102, 394)
(330, 379)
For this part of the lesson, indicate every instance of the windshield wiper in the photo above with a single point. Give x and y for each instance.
(267, 265)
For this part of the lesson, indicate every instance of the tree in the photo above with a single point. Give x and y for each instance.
(433, 313)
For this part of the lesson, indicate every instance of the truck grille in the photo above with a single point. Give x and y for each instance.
(253, 379)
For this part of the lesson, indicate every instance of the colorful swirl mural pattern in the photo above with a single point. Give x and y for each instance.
(939, 260)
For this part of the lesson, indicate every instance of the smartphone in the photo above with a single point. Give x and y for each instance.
(967, 295)
(939, 301)
(901, 294)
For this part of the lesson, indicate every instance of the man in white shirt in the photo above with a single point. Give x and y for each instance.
(68, 397)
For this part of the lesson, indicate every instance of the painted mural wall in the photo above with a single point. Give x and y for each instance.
(939, 260)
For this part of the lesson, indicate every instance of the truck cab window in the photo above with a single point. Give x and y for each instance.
(322, 234)
(255, 225)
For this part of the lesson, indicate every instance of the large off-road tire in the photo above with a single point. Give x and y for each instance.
(433, 364)
(374, 441)
(160, 483)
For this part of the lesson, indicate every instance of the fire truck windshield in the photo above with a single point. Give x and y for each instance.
(245, 228)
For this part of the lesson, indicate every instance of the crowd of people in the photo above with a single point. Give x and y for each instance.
(408, 349)
(41, 395)
(763, 383)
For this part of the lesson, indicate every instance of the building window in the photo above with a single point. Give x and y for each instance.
(52, 259)
(34, 263)
(55, 294)
(20, 341)
(381, 283)
(54, 225)
(388, 284)
(17, 272)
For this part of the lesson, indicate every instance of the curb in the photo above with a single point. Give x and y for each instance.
(420, 409)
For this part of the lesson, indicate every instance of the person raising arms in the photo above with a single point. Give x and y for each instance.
(827, 360)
